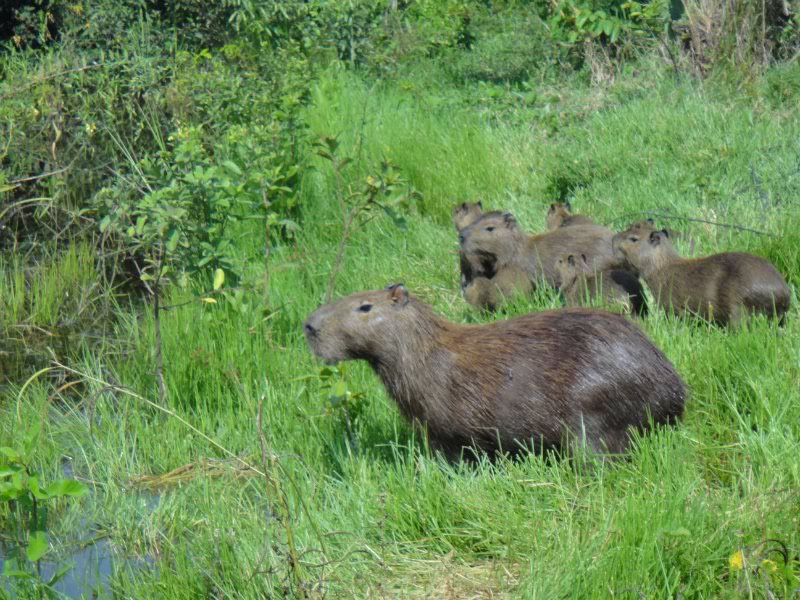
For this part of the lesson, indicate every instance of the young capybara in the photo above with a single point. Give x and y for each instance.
(498, 242)
(721, 288)
(648, 225)
(643, 228)
(534, 381)
(560, 215)
(466, 213)
(483, 292)
(578, 283)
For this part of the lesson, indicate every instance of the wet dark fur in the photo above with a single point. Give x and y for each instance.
(628, 282)
(532, 381)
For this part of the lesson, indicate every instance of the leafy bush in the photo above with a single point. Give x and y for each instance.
(511, 48)
(613, 24)
(106, 23)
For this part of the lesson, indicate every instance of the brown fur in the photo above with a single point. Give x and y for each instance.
(534, 380)
(618, 288)
(560, 215)
(500, 243)
(721, 288)
(642, 229)
(466, 213)
(489, 294)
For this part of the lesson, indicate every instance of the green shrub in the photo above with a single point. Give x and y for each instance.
(511, 48)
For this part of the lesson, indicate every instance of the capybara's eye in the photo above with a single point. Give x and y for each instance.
(490, 229)
(365, 307)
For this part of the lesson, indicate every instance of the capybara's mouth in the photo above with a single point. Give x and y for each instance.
(314, 345)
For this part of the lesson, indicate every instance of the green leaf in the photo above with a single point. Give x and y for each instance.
(219, 278)
(36, 490)
(172, 240)
(12, 454)
(60, 572)
(37, 546)
(31, 438)
(6, 471)
(324, 154)
(66, 487)
(397, 219)
(232, 167)
(104, 223)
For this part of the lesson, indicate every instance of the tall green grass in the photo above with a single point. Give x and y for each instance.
(371, 512)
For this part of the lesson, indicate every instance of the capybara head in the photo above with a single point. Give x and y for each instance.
(347, 329)
(557, 213)
(495, 235)
(646, 252)
(638, 229)
(647, 225)
(466, 213)
(569, 268)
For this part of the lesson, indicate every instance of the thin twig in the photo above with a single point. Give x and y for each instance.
(162, 389)
(272, 481)
(19, 90)
(42, 176)
(651, 213)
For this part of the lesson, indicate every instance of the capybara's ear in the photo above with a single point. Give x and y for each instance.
(480, 204)
(552, 208)
(509, 220)
(398, 293)
(656, 237)
(568, 206)
(650, 221)
(665, 232)
(571, 260)
(584, 259)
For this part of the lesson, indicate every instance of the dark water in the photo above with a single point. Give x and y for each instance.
(90, 574)
(91, 559)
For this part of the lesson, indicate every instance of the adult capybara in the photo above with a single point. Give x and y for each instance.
(560, 215)
(617, 288)
(722, 288)
(533, 381)
(498, 242)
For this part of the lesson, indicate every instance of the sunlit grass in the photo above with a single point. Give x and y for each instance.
(381, 516)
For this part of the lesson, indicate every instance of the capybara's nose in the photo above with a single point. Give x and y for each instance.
(309, 329)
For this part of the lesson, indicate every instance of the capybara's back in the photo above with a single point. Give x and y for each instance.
(722, 286)
(588, 373)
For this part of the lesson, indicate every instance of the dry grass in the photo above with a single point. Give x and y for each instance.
(734, 32)
(448, 578)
